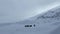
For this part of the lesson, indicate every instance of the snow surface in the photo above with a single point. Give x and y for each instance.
(47, 23)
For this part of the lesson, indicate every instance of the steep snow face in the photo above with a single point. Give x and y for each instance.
(51, 14)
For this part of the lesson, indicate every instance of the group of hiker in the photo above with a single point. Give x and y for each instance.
(30, 25)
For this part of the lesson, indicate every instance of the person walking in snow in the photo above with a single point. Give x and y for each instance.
(34, 25)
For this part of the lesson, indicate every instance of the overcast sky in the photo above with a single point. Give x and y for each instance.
(17, 10)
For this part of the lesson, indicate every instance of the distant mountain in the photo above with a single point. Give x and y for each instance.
(52, 15)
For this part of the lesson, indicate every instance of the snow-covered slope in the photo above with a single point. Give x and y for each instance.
(47, 23)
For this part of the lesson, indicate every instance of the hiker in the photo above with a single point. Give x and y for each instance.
(34, 25)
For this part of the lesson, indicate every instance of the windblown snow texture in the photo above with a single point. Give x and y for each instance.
(47, 23)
